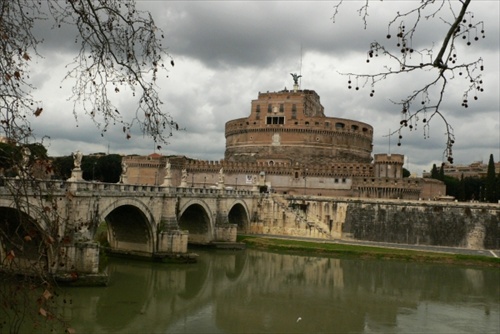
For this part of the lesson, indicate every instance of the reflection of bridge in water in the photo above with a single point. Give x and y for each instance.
(59, 220)
(255, 291)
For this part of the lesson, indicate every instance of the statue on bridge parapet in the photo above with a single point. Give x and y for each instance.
(184, 177)
(26, 153)
(76, 173)
(220, 184)
(167, 179)
(77, 160)
(123, 175)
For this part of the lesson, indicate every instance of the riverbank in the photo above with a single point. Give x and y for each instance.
(365, 251)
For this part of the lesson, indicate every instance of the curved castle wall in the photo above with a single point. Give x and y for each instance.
(290, 127)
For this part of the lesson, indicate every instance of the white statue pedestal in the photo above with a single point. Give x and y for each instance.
(123, 179)
(167, 181)
(76, 175)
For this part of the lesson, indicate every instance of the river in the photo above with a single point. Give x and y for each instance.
(255, 291)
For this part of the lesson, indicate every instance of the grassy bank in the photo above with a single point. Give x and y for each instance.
(366, 252)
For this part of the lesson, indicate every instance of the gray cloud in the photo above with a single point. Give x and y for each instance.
(227, 51)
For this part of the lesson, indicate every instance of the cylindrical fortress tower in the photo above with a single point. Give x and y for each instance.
(389, 165)
(291, 127)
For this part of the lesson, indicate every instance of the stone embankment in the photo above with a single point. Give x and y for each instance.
(464, 225)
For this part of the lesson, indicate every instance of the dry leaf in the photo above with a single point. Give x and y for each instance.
(10, 255)
(46, 294)
(50, 240)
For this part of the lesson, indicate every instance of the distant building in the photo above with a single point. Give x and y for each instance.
(288, 145)
(475, 169)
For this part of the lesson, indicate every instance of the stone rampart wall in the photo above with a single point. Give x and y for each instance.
(467, 225)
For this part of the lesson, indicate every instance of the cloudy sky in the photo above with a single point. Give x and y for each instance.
(225, 52)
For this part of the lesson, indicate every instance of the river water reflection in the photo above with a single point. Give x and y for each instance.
(263, 292)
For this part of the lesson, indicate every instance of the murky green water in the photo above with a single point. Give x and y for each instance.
(260, 292)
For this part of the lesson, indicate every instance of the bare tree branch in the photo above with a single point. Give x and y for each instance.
(121, 53)
(428, 99)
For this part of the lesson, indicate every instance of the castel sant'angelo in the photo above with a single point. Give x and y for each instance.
(288, 145)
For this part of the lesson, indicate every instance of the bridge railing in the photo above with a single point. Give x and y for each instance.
(64, 185)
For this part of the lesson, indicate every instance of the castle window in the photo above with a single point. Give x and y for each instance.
(339, 125)
(257, 112)
(275, 120)
(296, 175)
(327, 124)
(365, 129)
(282, 107)
(294, 111)
(354, 127)
(307, 123)
(269, 108)
(336, 180)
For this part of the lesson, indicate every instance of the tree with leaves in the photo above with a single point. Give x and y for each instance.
(434, 172)
(443, 65)
(62, 167)
(490, 184)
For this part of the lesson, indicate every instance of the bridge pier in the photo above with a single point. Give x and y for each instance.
(78, 263)
(173, 241)
(226, 232)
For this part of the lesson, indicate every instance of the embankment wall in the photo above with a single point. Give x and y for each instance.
(467, 225)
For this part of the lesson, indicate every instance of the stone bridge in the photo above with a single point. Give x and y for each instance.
(57, 221)
(52, 225)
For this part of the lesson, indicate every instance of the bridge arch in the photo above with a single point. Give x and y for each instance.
(23, 242)
(238, 215)
(131, 227)
(196, 217)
